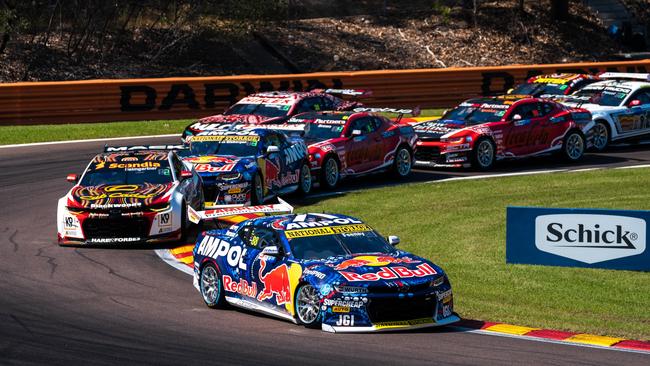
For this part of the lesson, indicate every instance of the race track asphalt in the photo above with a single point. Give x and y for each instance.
(115, 307)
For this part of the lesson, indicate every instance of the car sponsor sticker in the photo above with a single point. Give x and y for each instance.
(328, 230)
(403, 323)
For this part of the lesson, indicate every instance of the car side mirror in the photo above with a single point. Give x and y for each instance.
(272, 149)
(271, 250)
(356, 133)
(393, 240)
(72, 178)
(635, 103)
(516, 117)
(186, 174)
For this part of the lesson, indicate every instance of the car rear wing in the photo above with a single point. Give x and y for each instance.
(143, 148)
(234, 210)
(625, 76)
(399, 111)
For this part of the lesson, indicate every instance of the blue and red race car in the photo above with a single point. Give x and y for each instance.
(326, 271)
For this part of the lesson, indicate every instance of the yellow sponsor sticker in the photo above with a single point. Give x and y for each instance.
(340, 309)
(317, 231)
(234, 190)
(403, 323)
(551, 80)
(225, 138)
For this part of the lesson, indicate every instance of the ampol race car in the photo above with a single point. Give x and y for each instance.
(345, 144)
(619, 105)
(553, 84)
(276, 108)
(248, 166)
(128, 195)
(482, 130)
(332, 272)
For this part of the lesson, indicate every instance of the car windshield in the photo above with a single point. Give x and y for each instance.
(266, 110)
(324, 246)
(611, 97)
(223, 148)
(320, 131)
(154, 175)
(540, 89)
(472, 115)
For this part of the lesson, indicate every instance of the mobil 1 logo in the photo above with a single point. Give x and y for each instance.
(590, 238)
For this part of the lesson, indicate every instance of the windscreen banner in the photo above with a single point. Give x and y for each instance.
(592, 238)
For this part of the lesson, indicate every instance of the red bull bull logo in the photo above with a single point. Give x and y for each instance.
(275, 282)
(272, 173)
(373, 261)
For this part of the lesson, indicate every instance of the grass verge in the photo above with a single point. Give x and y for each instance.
(461, 226)
(44, 133)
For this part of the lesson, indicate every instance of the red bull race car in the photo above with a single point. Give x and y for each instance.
(332, 272)
(553, 84)
(129, 195)
(354, 143)
(276, 107)
(480, 131)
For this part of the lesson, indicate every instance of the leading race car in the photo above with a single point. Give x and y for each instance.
(276, 107)
(482, 130)
(346, 144)
(332, 272)
(248, 166)
(553, 84)
(129, 195)
(619, 105)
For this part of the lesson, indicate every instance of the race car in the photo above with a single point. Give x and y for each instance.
(345, 144)
(276, 108)
(129, 195)
(553, 84)
(248, 166)
(480, 131)
(332, 272)
(619, 105)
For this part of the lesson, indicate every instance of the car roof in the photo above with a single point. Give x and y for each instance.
(562, 79)
(279, 222)
(629, 84)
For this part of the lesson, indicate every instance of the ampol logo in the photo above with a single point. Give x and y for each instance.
(590, 238)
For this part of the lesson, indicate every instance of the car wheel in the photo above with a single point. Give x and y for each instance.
(211, 286)
(307, 306)
(305, 182)
(574, 146)
(329, 175)
(403, 162)
(483, 155)
(600, 136)
(257, 192)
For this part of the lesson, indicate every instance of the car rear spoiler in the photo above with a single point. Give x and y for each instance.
(143, 148)
(399, 111)
(625, 76)
(233, 210)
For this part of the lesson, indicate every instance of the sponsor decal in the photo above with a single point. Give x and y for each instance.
(445, 296)
(165, 219)
(590, 238)
(131, 166)
(389, 273)
(143, 147)
(340, 309)
(115, 205)
(344, 303)
(328, 230)
(215, 248)
(225, 138)
(114, 240)
(208, 168)
(373, 261)
(274, 283)
(242, 287)
(329, 220)
(317, 274)
(403, 323)
(345, 321)
(296, 152)
(70, 222)
(118, 195)
(209, 159)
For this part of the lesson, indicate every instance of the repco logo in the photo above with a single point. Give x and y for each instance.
(590, 238)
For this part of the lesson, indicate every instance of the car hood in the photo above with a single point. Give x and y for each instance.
(434, 130)
(119, 196)
(210, 165)
(375, 270)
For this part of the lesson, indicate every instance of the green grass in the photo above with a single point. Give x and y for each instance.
(43, 133)
(461, 226)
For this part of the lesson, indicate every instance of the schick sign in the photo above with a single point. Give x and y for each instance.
(578, 238)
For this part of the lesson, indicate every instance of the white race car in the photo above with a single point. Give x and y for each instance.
(129, 195)
(619, 105)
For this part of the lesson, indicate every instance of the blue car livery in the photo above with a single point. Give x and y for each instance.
(324, 271)
(248, 166)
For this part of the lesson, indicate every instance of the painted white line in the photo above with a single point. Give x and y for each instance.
(634, 166)
(486, 176)
(89, 140)
(166, 256)
(546, 340)
(583, 170)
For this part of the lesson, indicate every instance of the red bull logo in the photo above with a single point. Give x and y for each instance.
(275, 282)
(272, 173)
(373, 261)
(391, 273)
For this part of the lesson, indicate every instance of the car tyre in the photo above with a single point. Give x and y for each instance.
(329, 173)
(601, 137)
(307, 306)
(483, 154)
(573, 147)
(305, 182)
(403, 162)
(211, 286)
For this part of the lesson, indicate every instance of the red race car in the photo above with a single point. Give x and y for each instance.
(276, 108)
(482, 130)
(353, 143)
